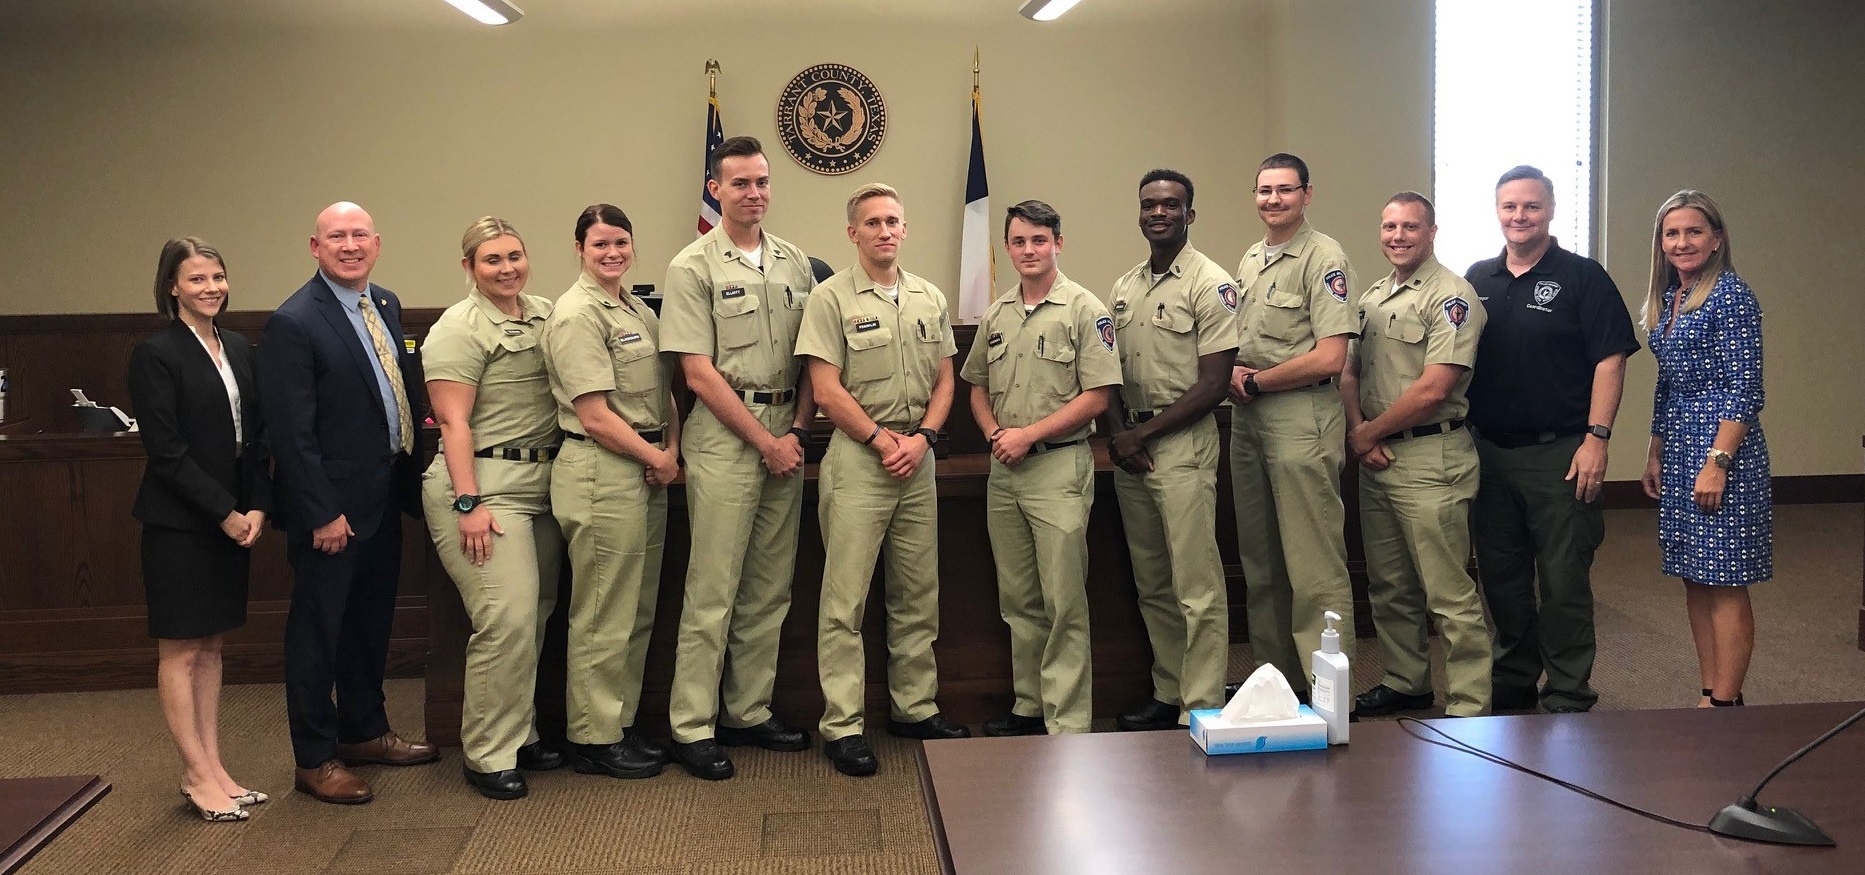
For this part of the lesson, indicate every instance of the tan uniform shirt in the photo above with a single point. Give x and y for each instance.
(594, 343)
(1163, 327)
(1431, 319)
(717, 304)
(476, 344)
(1032, 363)
(1294, 299)
(889, 353)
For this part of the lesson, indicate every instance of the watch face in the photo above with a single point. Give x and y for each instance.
(465, 503)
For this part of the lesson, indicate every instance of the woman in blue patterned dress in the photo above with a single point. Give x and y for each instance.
(1708, 464)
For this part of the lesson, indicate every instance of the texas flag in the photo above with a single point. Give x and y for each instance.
(977, 261)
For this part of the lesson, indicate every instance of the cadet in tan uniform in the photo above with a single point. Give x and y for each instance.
(1403, 388)
(622, 435)
(733, 302)
(880, 350)
(1287, 436)
(1175, 317)
(1040, 375)
(487, 499)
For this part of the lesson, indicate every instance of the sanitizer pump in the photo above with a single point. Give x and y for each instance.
(1330, 688)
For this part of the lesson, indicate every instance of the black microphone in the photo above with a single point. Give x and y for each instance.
(1745, 819)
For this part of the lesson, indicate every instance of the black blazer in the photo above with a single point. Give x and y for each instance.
(325, 416)
(196, 475)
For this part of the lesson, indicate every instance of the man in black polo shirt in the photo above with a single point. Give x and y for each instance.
(1549, 372)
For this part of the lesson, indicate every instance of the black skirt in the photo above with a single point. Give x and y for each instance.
(196, 582)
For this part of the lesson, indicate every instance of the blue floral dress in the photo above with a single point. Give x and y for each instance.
(1709, 370)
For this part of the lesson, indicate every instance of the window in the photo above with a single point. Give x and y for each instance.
(1514, 86)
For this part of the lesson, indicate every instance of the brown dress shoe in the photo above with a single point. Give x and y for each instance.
(331, 782)
(389, 750)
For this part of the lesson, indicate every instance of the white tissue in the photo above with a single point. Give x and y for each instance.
(1265, 696)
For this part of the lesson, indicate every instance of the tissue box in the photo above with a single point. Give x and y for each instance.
(1215, 735)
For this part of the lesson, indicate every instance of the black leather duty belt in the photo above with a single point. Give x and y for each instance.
(652, 437)
(1426, 430)
(783, 397)
(1046, 446)
(518, 454)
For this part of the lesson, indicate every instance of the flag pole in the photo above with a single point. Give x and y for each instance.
(712, 78)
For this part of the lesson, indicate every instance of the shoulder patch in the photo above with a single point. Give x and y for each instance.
(1105, 327)
(1457, 310)
(1336, 281)
(1227, 295)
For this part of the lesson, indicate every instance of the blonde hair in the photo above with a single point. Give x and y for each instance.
(872, 189)
(484, 229)
(1663, 274)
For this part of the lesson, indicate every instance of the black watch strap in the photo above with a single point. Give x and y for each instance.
(1600, 431)
(465, 503)
(1249, 386)
(932, 437)
(801, 433)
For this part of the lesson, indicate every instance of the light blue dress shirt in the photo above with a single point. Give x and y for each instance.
(352, 301)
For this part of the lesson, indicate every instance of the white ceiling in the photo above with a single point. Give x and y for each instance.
(573, 13)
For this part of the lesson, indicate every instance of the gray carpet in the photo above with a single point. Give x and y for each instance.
(788, 814)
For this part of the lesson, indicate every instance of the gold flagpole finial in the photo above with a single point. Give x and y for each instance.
(974, 67)
(712, 77)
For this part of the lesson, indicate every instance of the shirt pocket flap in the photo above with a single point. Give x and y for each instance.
(873, 338)
(1408, 328)
(735, 306)
(626, 350)
(1056, 346)
(518, 343)
(1174, 319)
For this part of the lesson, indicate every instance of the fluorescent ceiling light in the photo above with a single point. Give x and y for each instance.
(489, 11)
(1044, 10)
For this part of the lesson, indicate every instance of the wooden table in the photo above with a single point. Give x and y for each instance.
(34, 810)
(1391, 803)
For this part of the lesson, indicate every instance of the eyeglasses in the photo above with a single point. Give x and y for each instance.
(1284, 190)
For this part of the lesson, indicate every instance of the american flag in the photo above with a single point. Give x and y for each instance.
(715, 137)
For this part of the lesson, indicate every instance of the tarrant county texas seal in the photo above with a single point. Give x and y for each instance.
(831, 118)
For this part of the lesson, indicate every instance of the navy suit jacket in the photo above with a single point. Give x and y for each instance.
(324, 415)
(197, 472)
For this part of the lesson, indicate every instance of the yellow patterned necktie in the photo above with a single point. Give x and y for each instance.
(386, 356)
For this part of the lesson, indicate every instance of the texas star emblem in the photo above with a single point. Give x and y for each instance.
(830, 118)
(1545, 291)
(1457, 310)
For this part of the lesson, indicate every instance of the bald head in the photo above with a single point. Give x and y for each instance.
(346, 244)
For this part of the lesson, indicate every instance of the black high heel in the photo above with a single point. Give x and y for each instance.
(1727, 703)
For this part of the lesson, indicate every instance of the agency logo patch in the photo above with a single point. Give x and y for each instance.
(1105, 327)
(831, 118)
(1336, 281)
(1457, 310)
(1227, 295)
(1545, 291)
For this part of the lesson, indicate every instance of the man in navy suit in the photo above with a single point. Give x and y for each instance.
(341, 397)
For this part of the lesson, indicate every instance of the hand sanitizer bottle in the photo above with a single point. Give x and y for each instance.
(1330, 687)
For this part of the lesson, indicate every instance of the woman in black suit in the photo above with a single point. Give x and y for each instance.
(202, 504)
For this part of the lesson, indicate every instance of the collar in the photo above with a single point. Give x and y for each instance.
(1178, 264)
(728, 251)
(496, 315)
(1297, 244)
(595, 290)
(865, 283)
(344, 293)
(1545, 265)
(1426, 273)
(1062, 291)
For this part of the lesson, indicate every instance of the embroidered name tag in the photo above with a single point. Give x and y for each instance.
(513, 332)
(733, 292)
(996, 339)
(1120, 306)
(630, 337)
(869, 324)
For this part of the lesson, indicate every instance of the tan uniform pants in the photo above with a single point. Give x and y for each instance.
(1037, 512)
(1286, 451)
(508, 599)
(862, 509)
(744, 525)
(616, 525)
(1415, 519)
(1170, 517)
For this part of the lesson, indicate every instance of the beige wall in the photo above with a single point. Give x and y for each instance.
(115, 141)
(119, 141)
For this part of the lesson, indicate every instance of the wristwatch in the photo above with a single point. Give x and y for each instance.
(1249, 386)
(1721, 459)
(932, 437)
(465, 503)
(1600, 431)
